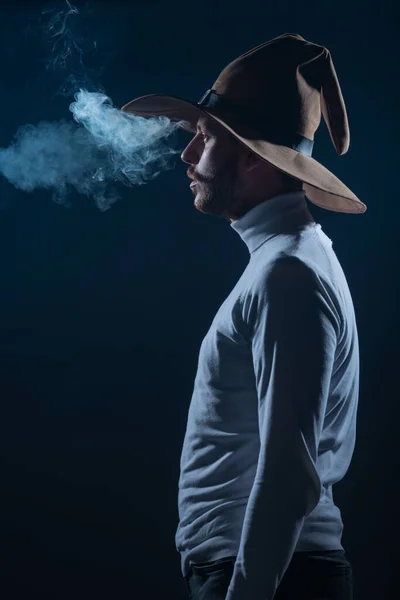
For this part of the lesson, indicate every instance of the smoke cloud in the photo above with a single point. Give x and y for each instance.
(102, 147)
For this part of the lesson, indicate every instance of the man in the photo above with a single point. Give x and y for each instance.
(272, 420)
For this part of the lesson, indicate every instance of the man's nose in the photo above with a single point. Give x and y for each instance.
(190, 154)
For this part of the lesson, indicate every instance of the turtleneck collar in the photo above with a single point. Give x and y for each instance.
(280, 214)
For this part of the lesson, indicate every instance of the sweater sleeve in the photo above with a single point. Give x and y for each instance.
(293, 341)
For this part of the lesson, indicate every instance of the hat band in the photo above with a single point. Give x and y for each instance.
(289, 139)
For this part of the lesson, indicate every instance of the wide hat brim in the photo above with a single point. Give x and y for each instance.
(321, 186)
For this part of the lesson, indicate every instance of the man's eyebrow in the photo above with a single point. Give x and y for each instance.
(205, 127)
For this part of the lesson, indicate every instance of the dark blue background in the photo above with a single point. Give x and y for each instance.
(102, 314)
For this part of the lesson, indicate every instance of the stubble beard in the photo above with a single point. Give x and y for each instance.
(216, 196)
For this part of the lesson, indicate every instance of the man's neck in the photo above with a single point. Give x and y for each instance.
(264, 198)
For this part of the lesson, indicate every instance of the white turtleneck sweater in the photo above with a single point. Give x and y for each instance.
(272, 420)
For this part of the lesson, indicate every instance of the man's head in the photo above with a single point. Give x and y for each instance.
(231, 179)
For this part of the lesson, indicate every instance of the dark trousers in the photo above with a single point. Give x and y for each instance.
(325, 575)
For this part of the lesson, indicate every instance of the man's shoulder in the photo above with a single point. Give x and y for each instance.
(294, 277)
(285, 268)
(291, 273)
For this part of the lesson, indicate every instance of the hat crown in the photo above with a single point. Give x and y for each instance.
(288, 81)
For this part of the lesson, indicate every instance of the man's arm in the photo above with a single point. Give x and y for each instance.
(293, 342)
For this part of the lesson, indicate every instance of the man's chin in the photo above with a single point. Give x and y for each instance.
(206, 207)
(199, 205)
(200, 202)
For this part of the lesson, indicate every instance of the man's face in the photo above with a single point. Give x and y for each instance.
(213, 157)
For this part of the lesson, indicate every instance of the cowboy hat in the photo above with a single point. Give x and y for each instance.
(271, 99)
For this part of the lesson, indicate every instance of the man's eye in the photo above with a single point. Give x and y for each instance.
(205, 137)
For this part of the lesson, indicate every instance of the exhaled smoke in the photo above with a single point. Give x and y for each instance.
(73, 51)
(106, 146)
(64, 40)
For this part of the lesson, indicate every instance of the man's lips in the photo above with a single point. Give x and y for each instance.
(194, 182)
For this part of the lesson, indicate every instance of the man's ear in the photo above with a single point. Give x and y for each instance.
(252, 161)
